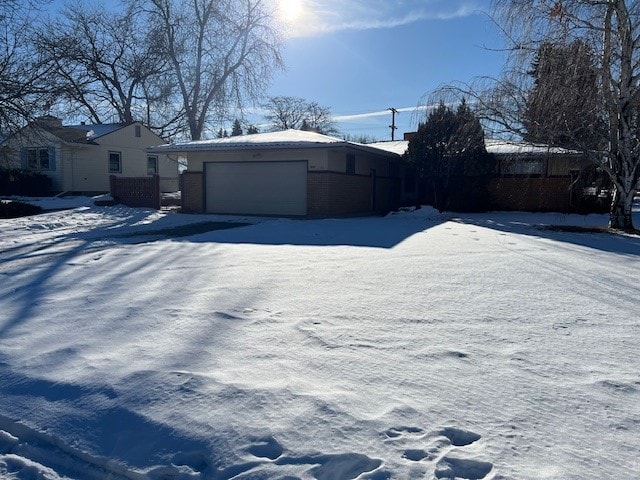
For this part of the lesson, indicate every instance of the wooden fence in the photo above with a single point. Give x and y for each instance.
(136, 191)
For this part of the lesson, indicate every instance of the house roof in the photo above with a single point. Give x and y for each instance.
(506, 147)
(92, 132)
(75, 134)
(287, 139)
(498, 147)
(69, 134)
(398, 147)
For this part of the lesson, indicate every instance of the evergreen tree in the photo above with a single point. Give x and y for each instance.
(450, 159)
(563, 108)
(430, 145)
(252, 129)
(236, 130)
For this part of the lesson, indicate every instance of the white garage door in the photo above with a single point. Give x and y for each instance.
(257, 188)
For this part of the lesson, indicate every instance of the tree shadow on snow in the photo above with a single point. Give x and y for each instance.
(133, 226)
(594, 237)
(110, 439)
(373, 232)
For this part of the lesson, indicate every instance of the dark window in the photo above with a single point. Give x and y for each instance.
(523, 167)
(32, 156)
(38, 159)
(152, 165)
(351, 164)
(138, 131)
(115, 162)
(43, 158)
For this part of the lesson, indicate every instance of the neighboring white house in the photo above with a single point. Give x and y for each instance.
(80, 158)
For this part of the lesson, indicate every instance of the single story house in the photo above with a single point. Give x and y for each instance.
(534, 177)
(528, 177)
(80, 158)
(288, 173)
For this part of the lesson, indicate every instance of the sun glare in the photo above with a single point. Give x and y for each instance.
(290, 10)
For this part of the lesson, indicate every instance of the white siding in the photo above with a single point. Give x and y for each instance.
(84, 167)
(36, 138)
(91, 163)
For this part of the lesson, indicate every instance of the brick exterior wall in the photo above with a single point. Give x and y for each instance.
(192, 191)
(136, 191)
(533, 194)
(335, 194)
(328, 193)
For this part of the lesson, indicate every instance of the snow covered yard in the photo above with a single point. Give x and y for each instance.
(409, 346)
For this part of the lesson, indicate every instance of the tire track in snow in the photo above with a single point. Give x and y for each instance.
(31, 454)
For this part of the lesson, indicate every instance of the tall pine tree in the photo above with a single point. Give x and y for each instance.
(236, 129)
(450, 159)
(563, 107)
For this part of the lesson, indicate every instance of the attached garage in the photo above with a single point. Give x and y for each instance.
(256, 188)
(290, 174)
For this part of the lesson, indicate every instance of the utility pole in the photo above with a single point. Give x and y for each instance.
(393, 122)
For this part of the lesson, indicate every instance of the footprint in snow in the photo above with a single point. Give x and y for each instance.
(196, 461)
(452, 467)
(397, 432)
(447, 465)
(460, 438)
(267, 447)
(226, 316)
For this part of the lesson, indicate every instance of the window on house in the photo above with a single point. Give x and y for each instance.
(351, 164)
(522, 167)
(138, 131)
(38, 159)
(152, 165)
(43, 159)
(32, 156)
(115, 162)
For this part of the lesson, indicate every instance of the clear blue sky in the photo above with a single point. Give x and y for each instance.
(364, 56)
(360, 57)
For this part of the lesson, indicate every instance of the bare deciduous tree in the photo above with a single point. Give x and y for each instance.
(110, 65)
(221, 52)
(24, 91)
(285, 112)
(611, 29)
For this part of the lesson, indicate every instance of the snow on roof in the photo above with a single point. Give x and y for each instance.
(398, 147)
(98, 130)
(282, 140)
(506, 147)
(499, 147)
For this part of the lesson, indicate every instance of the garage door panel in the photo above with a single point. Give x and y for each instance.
(257, 188)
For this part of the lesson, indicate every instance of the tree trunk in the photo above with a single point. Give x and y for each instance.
(620, 217)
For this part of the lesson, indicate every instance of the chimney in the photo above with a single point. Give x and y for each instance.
(409, 135)
(49, 121)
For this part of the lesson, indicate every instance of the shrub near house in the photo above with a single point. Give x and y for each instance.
(17, 209)
(15, 181)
